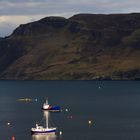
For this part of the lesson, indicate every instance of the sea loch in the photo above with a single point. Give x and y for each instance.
(92, 110)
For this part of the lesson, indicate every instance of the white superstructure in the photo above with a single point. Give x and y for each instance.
(43, 130)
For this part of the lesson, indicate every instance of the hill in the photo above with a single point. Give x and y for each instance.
(83, 47)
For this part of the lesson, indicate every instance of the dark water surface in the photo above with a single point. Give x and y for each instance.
(113, 108)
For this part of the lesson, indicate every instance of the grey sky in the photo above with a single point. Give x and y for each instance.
(15, 12)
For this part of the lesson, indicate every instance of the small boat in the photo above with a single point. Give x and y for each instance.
(40, 130)
(48, 107)
(25, 100)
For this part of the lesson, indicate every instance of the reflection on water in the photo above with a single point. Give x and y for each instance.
(44, 137)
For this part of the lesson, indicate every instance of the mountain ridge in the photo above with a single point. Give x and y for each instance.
(82, 47)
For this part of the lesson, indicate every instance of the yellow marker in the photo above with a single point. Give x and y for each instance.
(66, 110)
(89, 122)
(8, 123)
(60, 133)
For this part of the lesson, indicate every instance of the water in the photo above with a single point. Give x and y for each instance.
(112, 107)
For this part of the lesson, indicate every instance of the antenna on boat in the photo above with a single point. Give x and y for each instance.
(46, 100)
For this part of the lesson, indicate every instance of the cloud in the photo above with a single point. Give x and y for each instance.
(16, 12)
(9, 23)
(25, 7)
(36, 7)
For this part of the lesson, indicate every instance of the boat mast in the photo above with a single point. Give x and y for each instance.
(47, 101)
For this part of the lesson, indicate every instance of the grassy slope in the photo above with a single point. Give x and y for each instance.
(82, 47)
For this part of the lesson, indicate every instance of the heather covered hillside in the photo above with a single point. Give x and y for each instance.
(83, 47)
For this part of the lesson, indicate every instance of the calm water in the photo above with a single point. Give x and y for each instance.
(113, 108)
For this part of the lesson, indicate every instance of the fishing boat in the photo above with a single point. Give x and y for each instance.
(41, 129)
(48, 107)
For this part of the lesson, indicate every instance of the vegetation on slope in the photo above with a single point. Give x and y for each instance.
(84, 47)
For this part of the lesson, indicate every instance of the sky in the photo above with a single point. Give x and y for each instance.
(16, 12)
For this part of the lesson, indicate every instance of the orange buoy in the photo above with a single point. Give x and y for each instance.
(13, 138)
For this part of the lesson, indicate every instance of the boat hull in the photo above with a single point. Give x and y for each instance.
(43, 132)
(53, 109)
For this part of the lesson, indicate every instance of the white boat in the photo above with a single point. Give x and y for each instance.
(48, 107)
(43, 130)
